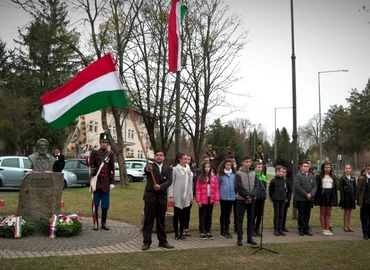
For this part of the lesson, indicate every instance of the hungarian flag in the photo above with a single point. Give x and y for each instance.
(96, 87)
(177, 13)
(79, 137)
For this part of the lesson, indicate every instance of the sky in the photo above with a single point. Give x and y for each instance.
(329, 35)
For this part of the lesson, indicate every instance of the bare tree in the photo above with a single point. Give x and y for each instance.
(309, 134)
(146, 77)
(212, 43)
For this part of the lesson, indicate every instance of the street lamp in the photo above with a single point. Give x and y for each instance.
(320, 126)
(275, 127)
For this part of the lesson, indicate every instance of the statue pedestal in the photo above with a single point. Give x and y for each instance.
(168, 222)
(40, 195)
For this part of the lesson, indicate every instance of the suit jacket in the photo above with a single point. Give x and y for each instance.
(163, 178)
(58, 163)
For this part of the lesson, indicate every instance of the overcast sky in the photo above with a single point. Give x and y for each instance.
(329, 35)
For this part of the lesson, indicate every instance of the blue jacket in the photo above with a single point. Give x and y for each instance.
(227, 187)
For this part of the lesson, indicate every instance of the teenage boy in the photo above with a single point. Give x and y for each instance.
(260, 200)
(277, 194)
(363, 191)
(305, 188)
(155, 197)
(246, 188)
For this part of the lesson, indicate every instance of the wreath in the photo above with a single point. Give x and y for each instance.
(16, 227)
(61, 225)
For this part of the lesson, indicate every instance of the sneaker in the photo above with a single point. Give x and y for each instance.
(328, 232)
(239, 243)
(209, 236)
(330, 228)
(228, 235)
(324, 232)
(203, 236)
(223, 235)
(276, 233)
(252, 242)
(282, 233)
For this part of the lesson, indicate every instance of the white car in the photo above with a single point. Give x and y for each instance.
(132, 175)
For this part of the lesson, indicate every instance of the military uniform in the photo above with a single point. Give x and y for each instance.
(105, 179)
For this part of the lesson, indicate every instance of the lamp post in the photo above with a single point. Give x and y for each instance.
(320, 126)
(275, 127)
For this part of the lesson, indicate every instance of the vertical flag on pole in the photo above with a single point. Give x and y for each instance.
(79, 135)
(177, 13)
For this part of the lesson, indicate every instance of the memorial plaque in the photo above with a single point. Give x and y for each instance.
(41, 183)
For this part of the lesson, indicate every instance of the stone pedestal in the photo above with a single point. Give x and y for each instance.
(40, 195)
(168, 222)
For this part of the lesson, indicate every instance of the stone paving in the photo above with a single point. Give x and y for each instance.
(123, 238)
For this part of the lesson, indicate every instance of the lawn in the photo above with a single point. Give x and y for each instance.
(127, 205)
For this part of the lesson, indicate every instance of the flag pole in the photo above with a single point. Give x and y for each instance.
(177, 129)
(132, 114)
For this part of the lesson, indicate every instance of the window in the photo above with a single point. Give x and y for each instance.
(27, 163)
(91, 126)
(71, 164)
(11, 162)
(96, 127)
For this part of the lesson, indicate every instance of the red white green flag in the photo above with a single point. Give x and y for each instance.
(177, 13)
(79, 137)
(96, 87)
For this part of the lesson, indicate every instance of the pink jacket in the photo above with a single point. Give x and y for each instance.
(201, 191)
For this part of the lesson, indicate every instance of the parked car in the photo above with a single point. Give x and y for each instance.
(132, 174)
(13, 169)
(79, 167)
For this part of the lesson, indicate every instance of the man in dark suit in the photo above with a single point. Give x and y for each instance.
(155, 197)
(59, 162)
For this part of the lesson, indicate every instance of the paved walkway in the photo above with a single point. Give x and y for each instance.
(123, 238)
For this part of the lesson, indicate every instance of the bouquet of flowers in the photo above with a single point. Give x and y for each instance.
(16, 227)
(61, 225)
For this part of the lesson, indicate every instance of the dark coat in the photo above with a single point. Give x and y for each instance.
(59, 163)
(319, 200)
(163, 178)
(277, 189)
(361, 189)
(106, 175)
(303, 185)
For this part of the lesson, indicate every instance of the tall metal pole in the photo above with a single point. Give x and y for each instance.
(275, 129)
(320, 126)
(294, 133)
(254, 142)
(177, 129)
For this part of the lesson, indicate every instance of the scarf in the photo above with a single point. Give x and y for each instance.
(228, 172)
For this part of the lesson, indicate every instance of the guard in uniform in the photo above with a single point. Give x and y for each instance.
(210, 152)
(105, 179)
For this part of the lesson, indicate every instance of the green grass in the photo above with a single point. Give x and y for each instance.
(127, 206)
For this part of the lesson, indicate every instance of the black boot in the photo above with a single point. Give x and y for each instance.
(96, 225)
(104, 213)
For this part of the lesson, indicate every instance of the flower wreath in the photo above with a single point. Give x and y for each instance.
(16, 226)
(61, 225)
